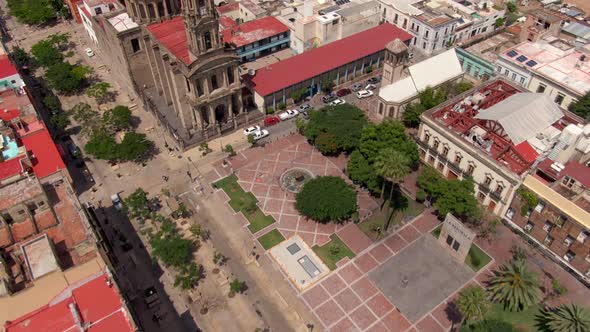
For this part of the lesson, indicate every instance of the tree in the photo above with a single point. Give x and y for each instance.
(326, 198)
(327, 84)
(189, 276)
(515, 286)
(282, 106)
(65, 77)
(102, 145)
(565, 318)
(430, 97)
(31, 11)
(511, 6)
(411, 115)
(87, 118)
(376, 138)
(20, 57)
(134, 147)
(473, 304)
(52, 103)
(463, 86)
(137, 204)
(60, 121)
(529, 200)
(99, 91)
(500, 21)
(230, 150)
(392, 166)
(237, 286)
(431, 183)
(458, 198)
(46, 53)
(298, 95)
(338, 128)
(118, 118)
(489, 325)
(359, 170)
(582, 106)
(251, 139)
(172, 249)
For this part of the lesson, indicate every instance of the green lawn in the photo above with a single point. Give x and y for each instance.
(329, 257)
(476, 258)
(379, 218)
(523, 320)
(244, 202)
(271, 239)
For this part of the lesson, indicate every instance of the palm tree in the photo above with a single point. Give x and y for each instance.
(565, 318)
(515, 286)
(473, 304)
(393, 166)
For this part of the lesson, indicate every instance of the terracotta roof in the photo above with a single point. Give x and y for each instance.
(253, 31)
(578, 171)
(11, 167)
(47, 159)
(526, 151)
(9, 114)
(304, 66)
(6, 67)
(172, 35)
(228, 8)
(226, 22)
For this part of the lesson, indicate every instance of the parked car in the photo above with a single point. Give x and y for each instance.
(343, 92)
(74, 150)
(329, 98)
(89, 52)
(260, 134)
(305, 107)
(370, 87)
(374, 80)
(356, 87)
(337, 102)
(117, 203)
(271, 120)
(364, 94)
(251, 130)
(87, 175)
(305, 115)
(288, 114)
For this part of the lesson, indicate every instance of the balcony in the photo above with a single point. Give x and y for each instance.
(455, 168)
(485, 188)
(421, 143)
(497, 196)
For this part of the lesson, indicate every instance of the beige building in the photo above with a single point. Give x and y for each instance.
(492, 134)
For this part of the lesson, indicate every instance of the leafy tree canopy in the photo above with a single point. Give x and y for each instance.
(189, 276)
(99, 91)
(88, 118)
(46, 53)
(137, 204)
(31, 11)
(102, 145)
(60, 121)
(359, 170)
(473, 303)
(338, 128)
(565, 318)
(118, 118)
(133, 147)
(172, 249)
(326, 198)
(52, 103)
(514, 285)
(20, 56)
(581, 107)
(489, 325)
(65, 77)
(411, 115)
(376, 138)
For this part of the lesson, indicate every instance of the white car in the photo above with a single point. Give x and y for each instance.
(370, 86)
(251, 130)
(116, 200)
(260, 134)
(89, 52)
(337, 102)
(364, 94)
(288, 114)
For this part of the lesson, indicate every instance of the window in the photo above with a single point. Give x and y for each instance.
(427, 31)
(381, 108)
(568, 241)
(568, 182)
(559, 99)
(426, 137)
(468, 69)
(199, 88)
(470, 169)
(541, 88)
(540, 207)
(499, 189)
(488, 180)
(207, 38)
(436, 143)
(422, 153)
(7, 218)
(529, 227)
(583, 236)
(548, 240)
(230, 75)
(514, 76)
(499, 69)
(188, 84)
(522, 80)
(214, 85)
(135, 45)
(440, 166)
(458, 158)
(424, 46)
(456, 246)
(395, 19)
(506, 72)
(431, 160)
(445, 151)
(569, 256)
(449, 240)
(560, 220)
(481, 196)
(548, 226)
(98, 10)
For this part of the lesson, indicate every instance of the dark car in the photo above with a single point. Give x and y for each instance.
(87, 175)
(343, 92)
(74, 150)
(328, 98)
(356, 87)
(305, 115)
(271, 120)
(374, 80)
(305, 107)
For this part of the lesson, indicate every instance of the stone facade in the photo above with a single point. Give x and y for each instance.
(456, 238)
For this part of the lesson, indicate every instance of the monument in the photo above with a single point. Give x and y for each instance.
(456, 237)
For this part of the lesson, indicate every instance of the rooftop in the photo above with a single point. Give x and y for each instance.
(221, 10)
(39, 256)
(489, 48)
(405, 6)
(13, 101)
(555, 60)
(95, 301)
(577, 29)
(44, 154)
(226, 22)
(498, 118)
(172, 35)
(252, 6)
(18, 192)
(122, 22)
(252, 31)
(6, 67)
(325, 58)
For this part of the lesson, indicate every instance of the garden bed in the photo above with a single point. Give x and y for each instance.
(329, 255)
(271, 239)
(378, 219)
(476, 258)
(522, 320)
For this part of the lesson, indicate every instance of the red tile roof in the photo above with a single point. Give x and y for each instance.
(9, 114)
(228, 8)
(6, 67)
(526, 151)
(226, 22)
(252, 31)
(98, 304)
(323, 59)
(47, 159)
(172, 34)
(578, 171)
(11, 167)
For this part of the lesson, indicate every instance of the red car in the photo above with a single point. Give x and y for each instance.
(343, 92)
(271, 120)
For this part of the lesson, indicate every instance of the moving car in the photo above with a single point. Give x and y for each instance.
(251, 130)
(337, 102)
(374, 80)
(370, 87)
(356, 87)
(364, 94)
(343, 92)
(305, 107)
(260, 134)
(271, 120)
(328, 98)
(89, 52)
(288, 114)
(116, 199)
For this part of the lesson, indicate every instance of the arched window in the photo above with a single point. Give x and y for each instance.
(230, 75)
(214, 85)
(142, 10)
(207, 40)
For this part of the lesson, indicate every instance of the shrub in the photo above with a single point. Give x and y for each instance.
(282, 106)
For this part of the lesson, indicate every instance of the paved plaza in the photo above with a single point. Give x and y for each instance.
(420, 277)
